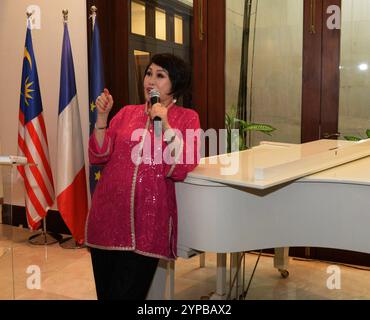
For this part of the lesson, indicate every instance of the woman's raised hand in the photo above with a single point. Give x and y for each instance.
(104, 103)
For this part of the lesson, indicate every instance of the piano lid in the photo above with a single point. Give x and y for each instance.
(271, 164)
(355, 172)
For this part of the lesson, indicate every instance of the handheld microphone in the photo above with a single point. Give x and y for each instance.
(154, 96)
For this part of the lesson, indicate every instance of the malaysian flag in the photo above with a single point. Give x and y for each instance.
(71, 177)
(33, 143)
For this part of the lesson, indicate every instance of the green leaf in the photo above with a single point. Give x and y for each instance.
(228, 122)
(231, 122)
(352, 138)
(368, 133)
(265, 128)
(241, 124)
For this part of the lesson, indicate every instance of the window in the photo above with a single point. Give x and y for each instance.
(178, 30)
(138, 20)
(160, 24)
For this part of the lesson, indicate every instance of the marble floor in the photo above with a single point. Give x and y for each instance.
(67, 274)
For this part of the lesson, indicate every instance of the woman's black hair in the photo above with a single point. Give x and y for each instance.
(178, 71)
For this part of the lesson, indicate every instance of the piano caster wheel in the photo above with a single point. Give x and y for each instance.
(284, 273)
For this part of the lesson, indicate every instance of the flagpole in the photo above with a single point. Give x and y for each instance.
(69, 242)
(65, 15)
(93, 10)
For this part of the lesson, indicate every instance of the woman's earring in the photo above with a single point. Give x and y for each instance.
(174, 101)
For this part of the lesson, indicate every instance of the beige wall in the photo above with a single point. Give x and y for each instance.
(277, 72)
(234, 36)
(354, 101)
(47, 43)
(275, 65)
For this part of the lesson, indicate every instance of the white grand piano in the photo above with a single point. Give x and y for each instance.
(279, 195)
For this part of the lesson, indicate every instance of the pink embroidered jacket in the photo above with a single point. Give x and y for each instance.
(134, 204)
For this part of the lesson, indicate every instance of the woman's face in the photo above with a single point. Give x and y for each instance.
(157, 78)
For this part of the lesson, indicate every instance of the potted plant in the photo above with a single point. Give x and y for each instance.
(244, 127)
(355, 138)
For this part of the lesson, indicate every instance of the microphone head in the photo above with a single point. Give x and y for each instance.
(154, 93)
(154, 96)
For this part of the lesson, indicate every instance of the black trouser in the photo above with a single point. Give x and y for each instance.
(122, 275)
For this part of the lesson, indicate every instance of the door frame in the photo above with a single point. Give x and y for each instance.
(209, 39)
(321, 73)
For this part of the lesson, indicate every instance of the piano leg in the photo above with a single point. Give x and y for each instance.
(220, 293)
(202, 260)
(236, 275)
(163, 284)
(281, 261)
(171, 280)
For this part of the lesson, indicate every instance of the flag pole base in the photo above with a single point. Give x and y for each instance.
(70, 243)
(45, 238)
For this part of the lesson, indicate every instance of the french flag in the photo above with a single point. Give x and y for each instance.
(71, 176)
